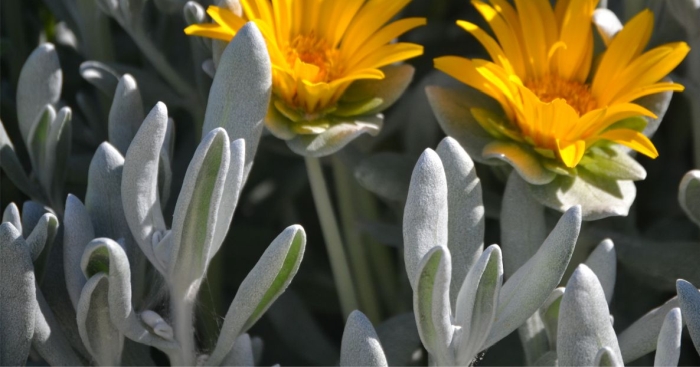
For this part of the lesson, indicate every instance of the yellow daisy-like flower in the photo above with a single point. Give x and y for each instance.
(319, 47)
(544, 76)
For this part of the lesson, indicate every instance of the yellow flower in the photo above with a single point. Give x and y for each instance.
(543, 74)
(319, 47)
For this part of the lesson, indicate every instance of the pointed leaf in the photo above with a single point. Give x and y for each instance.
(360, 345)
(17, 304)
(523, 227)
(268, 279)
(476, 304)
(606, 358)
(196, 211)
(77, 233)
(641, 337)
(40, 83)
(465, 220)
(126, 113)
(599, 197)
(11, 215)
(32, 213)
(42, 235)
(240, 93)
(101, 338)
(101, 76)
(584, 322)
(527, 289)
(11, 165)
(139, 187)
(58, 148)
(689, 300)
(425, 219)
(668, 347)
(103, 199)
(232, 191)
(337, 136)
(603, 262)
(549, 314)
(431, 304)
(37, 145)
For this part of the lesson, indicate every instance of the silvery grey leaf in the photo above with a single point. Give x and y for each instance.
(232, 190)
(102, 339)
(103, 199)
(194, 13)
(126, 113)
(11, 215)
(17, 304)
(37, 145)
(77, 233)
(103, 255)
(606, 358)
(11, 165)
(465, 219)
(523, 227)
(400, 340)
(109, 7)
(32, 213)
(549, 314)
(101, 76)
(209, 68)
(658, 104)
(689, 194)
(49, 339)
(534, 339)
(240, 93)
(336, 137)
(584, 322)
(641, 337)
(607, 24)
(425, 219)
(241, 353)
(386, 174)
(268, 279)
(40, 83)
(526, 290)
(431, 304)
(194, 221)
(42, 235)
(360, 345)
(159, 326)
(165, 170)
(668, 347)
(689, 300)
(476, 305)
(139, 187)
(603, 262)
(58, 148)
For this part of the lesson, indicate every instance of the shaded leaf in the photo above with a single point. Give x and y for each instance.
(360, 345)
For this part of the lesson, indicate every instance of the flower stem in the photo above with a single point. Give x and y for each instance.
(347, 203)
(331, 235)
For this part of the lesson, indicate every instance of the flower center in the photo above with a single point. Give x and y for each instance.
(313, 58)
(576, 94)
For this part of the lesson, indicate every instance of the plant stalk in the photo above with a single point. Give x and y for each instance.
(347, 204)
(331, 235)
(182, 313)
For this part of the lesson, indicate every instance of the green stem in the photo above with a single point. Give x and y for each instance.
(356, 248)
(331, 235)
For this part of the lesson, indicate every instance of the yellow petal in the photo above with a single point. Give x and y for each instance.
(492, 47)
(571, 153)
(210, 30)
(633, 140)
(507, 37)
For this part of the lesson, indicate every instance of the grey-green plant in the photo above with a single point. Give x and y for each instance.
(119, 258)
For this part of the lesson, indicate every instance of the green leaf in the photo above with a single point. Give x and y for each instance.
(525, 161)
